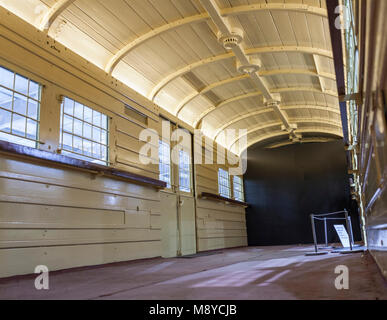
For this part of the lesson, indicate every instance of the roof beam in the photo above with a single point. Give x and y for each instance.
(256, 94)
(267, 110)
(212, 86)
(165, 81)
(338, 134)
(268, 73)
(113, 62)
(53, 13)
(235, 11)
(298, 121)
(295, 7)
(304, 140)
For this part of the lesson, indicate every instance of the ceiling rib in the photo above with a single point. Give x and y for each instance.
(266, 110)
(53, 13)
(304, 140)
(338, 134)
(165, 81)
(268, 73)
(151, 34)
(256, 94)
(274, 124)
(239, 10)
(212, 86)
(296, 7)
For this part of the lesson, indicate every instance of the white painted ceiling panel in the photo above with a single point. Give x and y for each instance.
(167, 50)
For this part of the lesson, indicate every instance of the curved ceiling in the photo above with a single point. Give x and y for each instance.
(169, 51)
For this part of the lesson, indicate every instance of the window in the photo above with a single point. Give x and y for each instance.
(84, 132)
(238, 189)
(224, 183)
(184, 171)
(165, 162)
(20, 100)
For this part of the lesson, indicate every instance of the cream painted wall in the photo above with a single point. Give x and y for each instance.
(64, 218)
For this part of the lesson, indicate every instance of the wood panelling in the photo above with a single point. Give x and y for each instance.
(62, 218)
(219, 225)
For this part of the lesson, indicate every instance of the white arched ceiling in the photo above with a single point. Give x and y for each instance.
(168, 51)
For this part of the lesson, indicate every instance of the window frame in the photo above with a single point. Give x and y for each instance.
(27, 96)
(188, 171)
(82, 137)
(226, 186)
(161, 163)
(242, 191)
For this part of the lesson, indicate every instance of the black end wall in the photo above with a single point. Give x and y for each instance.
(285, 185)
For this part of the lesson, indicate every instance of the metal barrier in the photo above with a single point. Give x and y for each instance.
(327, 217)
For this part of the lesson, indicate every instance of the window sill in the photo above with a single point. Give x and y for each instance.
(65, 161)
(215, 197)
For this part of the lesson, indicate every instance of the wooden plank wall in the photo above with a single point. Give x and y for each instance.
(63, 218)
(66, 218)
(219, 225)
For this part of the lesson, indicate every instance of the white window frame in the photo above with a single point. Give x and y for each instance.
(27, 134)
(101, 129)
(185, 169)
(224, 183)
(165, 167)
(239, 195)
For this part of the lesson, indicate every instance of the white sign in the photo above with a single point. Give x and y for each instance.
(343, 235)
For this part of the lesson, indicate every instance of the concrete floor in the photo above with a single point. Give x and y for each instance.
(237, 274)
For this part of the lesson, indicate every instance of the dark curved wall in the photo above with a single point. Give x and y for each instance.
(285, 185)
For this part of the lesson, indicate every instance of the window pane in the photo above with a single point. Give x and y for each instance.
(88, 115)
(6, 97)
(33, 108)
(32, 129)
(5, 121)
(96, 134)
(21, 84)
(19, 125)
(78, 127)
(89, 142)
(77, 144)
(68, 106)
(34, 90)
(104, 137)
(103, 153)
(6, 78)
(87, 145)
(97, 118)
(68, 123)
(67, 142)
(104, 122)
(184, 172)
(96, 150)
(78, 110)
(165, 162)
(20, 104)
(87, 129)
(224, 183)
